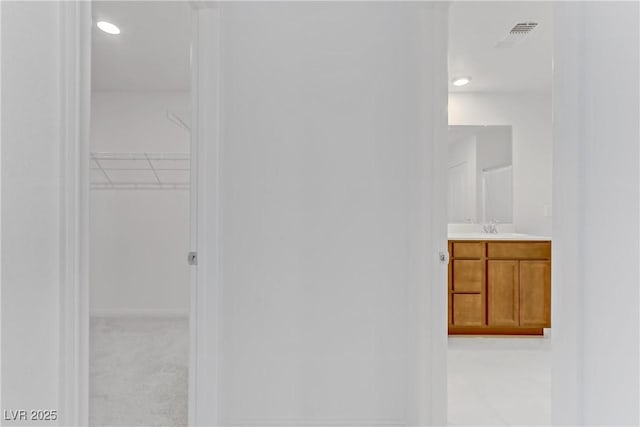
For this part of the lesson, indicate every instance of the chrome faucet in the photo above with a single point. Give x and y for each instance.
(490, 227)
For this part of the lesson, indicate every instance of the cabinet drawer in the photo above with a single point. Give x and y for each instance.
(468, 249)
(519, 250)
(468, 275)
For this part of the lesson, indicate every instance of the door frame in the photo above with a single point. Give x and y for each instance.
(75, 92)
(205, 168)
(75, 118)
(427, 403)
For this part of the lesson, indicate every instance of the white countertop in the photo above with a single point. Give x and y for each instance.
(496, 236)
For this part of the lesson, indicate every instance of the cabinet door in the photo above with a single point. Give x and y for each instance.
(467, 310)
(535, 294)
(503, 290)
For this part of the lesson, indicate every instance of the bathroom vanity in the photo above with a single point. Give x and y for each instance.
(499, 284)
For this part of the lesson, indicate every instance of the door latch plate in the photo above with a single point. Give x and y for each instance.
(192, 258)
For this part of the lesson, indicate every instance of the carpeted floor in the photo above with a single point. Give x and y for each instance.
(138, 372)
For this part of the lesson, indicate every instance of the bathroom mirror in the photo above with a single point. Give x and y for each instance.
(480, 174)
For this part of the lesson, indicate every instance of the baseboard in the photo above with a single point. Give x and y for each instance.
(140, 313)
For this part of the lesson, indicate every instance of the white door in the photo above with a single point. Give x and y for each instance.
(497, 195)
(319, 269)
(457, 196)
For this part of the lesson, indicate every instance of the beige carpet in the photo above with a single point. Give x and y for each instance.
(138, 372)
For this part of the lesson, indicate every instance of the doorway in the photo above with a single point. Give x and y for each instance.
(500, 128)
(140, 220)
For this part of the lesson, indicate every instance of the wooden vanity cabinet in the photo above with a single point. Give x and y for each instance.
(499, 287)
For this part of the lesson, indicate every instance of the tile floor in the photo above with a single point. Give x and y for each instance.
(138, 376)
(499, 381)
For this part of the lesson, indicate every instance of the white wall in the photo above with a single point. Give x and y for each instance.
(596, 372)
(135, 121)
(30, 205)
(139, 238)
(331, 115)
(530, 117)
(139, 245)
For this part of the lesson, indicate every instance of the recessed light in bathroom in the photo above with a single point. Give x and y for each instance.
(461, 81)
(108, 27)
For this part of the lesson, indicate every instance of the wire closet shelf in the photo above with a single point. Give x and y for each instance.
(140, 171)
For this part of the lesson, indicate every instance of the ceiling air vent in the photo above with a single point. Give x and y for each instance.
(517, 34)
(523, 28)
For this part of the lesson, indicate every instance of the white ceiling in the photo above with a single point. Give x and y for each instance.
(152, 51)
(475, 28)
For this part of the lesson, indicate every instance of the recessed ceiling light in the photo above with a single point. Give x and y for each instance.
(108, 27)
(461, 81)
